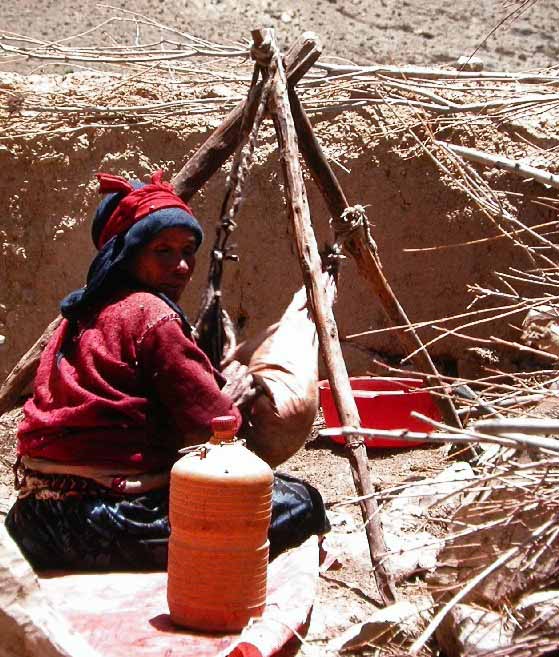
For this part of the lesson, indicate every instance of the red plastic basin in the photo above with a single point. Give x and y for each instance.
(383, 403)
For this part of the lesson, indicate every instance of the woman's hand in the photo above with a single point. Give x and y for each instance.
(240, 384)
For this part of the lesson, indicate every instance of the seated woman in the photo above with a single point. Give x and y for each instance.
(121, 386)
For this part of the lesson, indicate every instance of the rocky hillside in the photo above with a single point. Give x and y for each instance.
(508, 35)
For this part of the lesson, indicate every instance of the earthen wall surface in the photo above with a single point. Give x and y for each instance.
(49, 195)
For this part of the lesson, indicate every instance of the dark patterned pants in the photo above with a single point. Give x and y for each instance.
(104, 531)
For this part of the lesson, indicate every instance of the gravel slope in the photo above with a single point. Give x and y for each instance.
(373, 31)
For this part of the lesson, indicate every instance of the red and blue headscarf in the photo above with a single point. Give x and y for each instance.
(129, 216)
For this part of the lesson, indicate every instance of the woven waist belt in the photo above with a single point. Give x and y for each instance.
(49, 480)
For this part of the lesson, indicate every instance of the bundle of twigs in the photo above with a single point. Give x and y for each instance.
(165, 58)
(501, 544)
(153, 44)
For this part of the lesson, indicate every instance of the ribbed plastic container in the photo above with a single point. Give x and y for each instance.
(220, 508)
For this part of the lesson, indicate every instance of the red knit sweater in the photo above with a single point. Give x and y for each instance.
(129, 390)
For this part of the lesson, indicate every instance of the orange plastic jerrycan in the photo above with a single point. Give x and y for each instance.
(219, 511)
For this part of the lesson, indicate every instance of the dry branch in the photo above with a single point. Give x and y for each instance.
(532, 426)
(358, 242)
(518, 168)
(427, 73)
(23, 373)
(466, 436)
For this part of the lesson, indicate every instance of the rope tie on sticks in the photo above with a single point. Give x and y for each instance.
(352, 219)
(234, 196)
(242, 162)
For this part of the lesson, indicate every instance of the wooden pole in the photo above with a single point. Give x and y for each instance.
(224, 140)
(24, 371)
(326, 326)
(366, 257)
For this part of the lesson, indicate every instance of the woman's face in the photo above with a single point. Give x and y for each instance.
(166, 262)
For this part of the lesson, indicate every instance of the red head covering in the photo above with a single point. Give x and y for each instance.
(136, 204)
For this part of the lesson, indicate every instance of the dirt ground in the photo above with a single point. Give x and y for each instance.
(348, 594)
(384, 31)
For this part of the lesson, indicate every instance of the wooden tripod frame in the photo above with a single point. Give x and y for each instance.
(295, 134)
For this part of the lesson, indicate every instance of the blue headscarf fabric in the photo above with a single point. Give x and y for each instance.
(108, 272)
